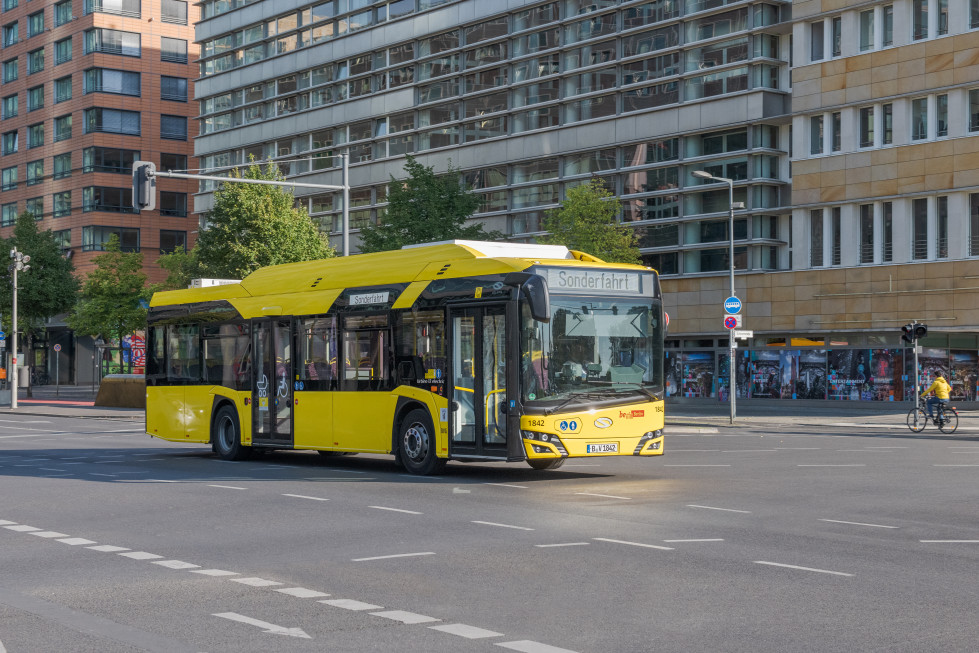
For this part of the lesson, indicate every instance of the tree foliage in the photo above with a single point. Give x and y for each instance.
(252, 226)
(49, 288)
(113, 296)
(181, 267)
(425, 208)
(586, 221)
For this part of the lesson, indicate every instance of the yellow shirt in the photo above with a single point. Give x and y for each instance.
(940, 387)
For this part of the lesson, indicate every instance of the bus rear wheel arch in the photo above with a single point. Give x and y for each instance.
(417, 444)
(226, 434)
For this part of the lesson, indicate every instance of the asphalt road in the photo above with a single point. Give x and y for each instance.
(801, 538)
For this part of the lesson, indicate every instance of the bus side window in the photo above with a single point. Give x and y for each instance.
(318, 349)
(156, 362)
(183, 353)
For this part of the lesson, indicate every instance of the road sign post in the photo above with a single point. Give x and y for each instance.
(57, 377)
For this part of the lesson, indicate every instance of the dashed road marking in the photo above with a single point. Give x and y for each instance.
(819, 571)
(49, 534)
(20, 528)
(303, 496)
(409, 512)
(214, 572)
(520, 487)
(255, 582)
(176, 564)
(694, 505)
(645, 546)
(469, 632)
(350, 604)
(108, 548)
(674, 465)
(76, 541)
(140, 555)
(604, 496)
(490, 523)
(228, 487)
(706, 539)
(547, 546)
(529, 646)
(825, 465)
(856, 523)
(405, 617)
(302, 592)
(395, 555)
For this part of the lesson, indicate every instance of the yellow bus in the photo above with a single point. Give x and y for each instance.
(462, 350)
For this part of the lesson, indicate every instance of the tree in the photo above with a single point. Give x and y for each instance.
(113, 297)
(586, 222)
(49, 288)
(252, 226)
(425, 208)
(181, 267)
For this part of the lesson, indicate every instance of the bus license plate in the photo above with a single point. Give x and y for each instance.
(605, 447)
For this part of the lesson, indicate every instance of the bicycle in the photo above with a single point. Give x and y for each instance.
(946, 419)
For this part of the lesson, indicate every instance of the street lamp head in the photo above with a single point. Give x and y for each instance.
(702, 174)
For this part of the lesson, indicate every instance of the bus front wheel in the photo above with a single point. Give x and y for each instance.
(545, 463)
(226, 435)
(416, 444)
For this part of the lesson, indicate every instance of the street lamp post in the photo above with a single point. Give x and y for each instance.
(732, 382)
(19, 265)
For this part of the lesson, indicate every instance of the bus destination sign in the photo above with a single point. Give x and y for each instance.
(594, 281)
(370, 298)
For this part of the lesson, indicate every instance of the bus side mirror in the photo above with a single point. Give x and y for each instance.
(534, 289)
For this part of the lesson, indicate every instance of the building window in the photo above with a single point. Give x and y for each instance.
(113, 121)
(173, 127)
(919, 228)
(110, 41)
(941, 108)
(867, 127)
(102, 198)
(173, 162)
(836, 244)
(866, 30)
(942, 17)
(816, 135)
(866, 233)
(62, 165)
(175, 11)
(35, 23)
(107, 80)
(173, 88)
(35, 172)
(63, 238)
(9, 178)
(62, 51)
(837, 34)
(837, 131)
(8, 214)
(9, 106)
(816, 238)
(130, 8)
(887, 232)
(942, 225)
(973, 14)
(94, 238)
(35, 98)
(887, 25)
(35, 135)
(173, 204)
(10, 70)
(35, 206)
(887, 123)
(816, 36)
(10, 34)
(8, 142)
(35, 61)
(105, 159)
(919, 19)
(171, 240)
(62, 89)
(974, 108)
(62, 204)
(62, 13)
(62, 127)
(9, 4)
(919, 119)
(174, 50)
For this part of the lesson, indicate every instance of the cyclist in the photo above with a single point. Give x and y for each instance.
(941, 388)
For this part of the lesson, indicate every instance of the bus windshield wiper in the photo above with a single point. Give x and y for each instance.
(590, 394)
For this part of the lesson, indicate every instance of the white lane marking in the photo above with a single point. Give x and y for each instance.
(696, 465)
(694, 505)
(2, 649)
(489, 523)
(97, 474)
(409, 512)
(547, 546)
(462, 630)
(302, 593)
(51, 469)
(604, 496)
(303, 496)
(266, 626)
(797, 449)
(50, 534)
(4, 522)
(344, 478)
(255, 582)
(228, 487)
(107, 548)
(350, 604)
(949, 541)
(521, 487)
(156, 480)
(405, 617)
(214, 572)
(645, 546)
(396, 555)
(856, 465)
(176, 564)
(706, 539)
(856, 523)
(529, 646)
(140, 555)
(20, 528)
(76, 541)
(820, 571)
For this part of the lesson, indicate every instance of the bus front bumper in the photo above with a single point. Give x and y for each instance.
(549, 445)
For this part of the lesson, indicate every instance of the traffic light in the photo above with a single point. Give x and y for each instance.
(913, 331)
(144, 185)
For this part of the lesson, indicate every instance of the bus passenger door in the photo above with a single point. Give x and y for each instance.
(478, 392)
(272, 387)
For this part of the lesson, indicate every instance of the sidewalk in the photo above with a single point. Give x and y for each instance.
(68, 401)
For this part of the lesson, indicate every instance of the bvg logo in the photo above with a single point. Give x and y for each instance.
(625, 414)
(603, 422)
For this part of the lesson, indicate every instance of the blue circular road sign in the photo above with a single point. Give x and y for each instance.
(732, 305)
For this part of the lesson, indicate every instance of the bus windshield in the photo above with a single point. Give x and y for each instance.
(592, 349)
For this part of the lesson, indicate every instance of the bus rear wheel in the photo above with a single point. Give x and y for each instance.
(416, 444)
(545, 463)
(226, 435)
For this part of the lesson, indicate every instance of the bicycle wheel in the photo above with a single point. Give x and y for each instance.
(917, 420)
(951, 421)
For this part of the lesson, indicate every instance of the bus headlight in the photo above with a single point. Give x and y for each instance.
(549, 438)
(646, 437)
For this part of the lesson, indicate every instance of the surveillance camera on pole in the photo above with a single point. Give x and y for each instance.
(144, 185)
